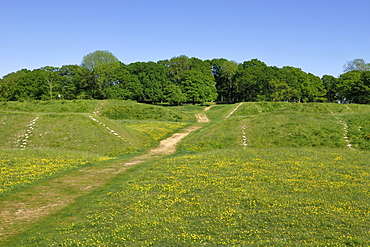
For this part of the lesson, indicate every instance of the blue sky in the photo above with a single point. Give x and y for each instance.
(318, 36)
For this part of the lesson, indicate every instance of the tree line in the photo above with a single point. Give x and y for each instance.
(182, 79)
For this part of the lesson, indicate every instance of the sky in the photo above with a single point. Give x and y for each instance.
(318, 36)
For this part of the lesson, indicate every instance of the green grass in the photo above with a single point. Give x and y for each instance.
(131, 110)
(269, 130)
(223, 134)
(270, 125)
(187, 109)
(78, 132)
(219, 112)
(37, 145)
(254, 197)
(12, 127)
(294, 183)
(359, 129)
(153, 129)
(294, 130)
(21, 168)
(60, 106)
(254, 108)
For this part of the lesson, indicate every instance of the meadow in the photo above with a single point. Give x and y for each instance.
(277, 197)
(270, 174)
(42, 139)
(18, 169)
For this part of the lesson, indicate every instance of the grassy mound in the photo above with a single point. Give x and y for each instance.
(271, 125)
(65, 125)
(135, 111)
(69, 132)
(359, 129)
(253, 108)
(59, 106)
(32, 132)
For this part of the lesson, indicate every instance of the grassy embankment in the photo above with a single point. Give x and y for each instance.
(42, 139)
(272, 174)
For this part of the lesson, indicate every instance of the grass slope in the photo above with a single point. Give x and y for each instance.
(271, 174)
(268, 125)
(59, 106)
(132, 110)
(38, 138)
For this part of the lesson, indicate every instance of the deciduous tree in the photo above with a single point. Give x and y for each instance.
(331, 85)
(356, 64)
(153, 77)
(97, 58)
(224, 72)
(354, 87)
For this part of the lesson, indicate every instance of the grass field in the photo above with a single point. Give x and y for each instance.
(270, 174)
(275, 197)
(22, 168)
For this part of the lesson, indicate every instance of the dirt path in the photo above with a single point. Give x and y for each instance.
(207, 108)
(168, 146)
(232, 112)
(21, 210)
(202, 118)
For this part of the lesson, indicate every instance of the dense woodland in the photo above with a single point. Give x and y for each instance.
(182, 79)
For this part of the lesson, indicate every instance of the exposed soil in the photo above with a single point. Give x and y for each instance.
(202, 118)
(168, 146)
(207, 108)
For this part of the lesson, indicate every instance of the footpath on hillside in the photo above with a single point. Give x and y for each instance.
(21, 210)
(201, 117)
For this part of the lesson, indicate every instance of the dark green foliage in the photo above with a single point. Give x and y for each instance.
(331, 86)
(354, 87)
(194, 77)
(184, 80)
(114, 81)
(224, 72)
(76, 82)
(153, 78)
(174, 95)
